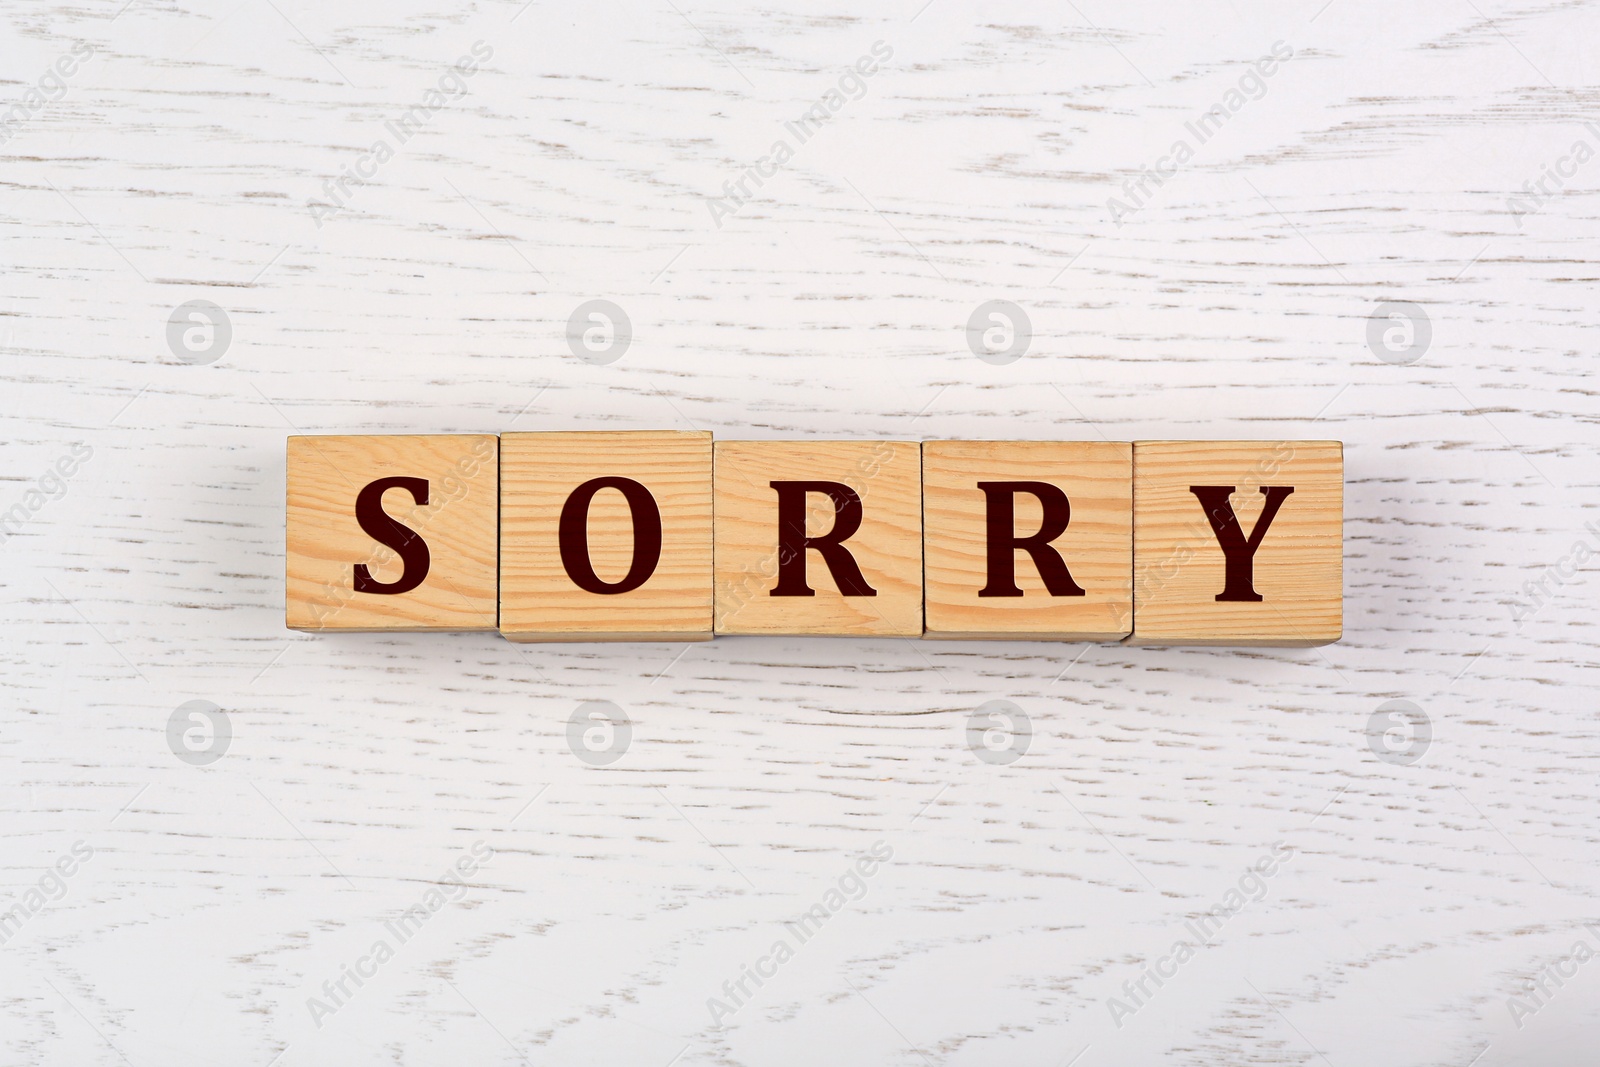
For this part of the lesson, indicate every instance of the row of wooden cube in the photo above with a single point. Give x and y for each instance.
(662, 535)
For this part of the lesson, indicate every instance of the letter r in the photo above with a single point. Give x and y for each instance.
(1003, 542)
(793, 541)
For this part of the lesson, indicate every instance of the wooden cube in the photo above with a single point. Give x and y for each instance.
(392, 532)
(605, 536)
(1238, 542)
(1028, 539)
(819, 537)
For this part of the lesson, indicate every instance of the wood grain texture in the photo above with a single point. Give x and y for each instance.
(1237, 302)
(455, 519)
(886, 546)
(1096, 478)
(539, 600)
(1296, 565)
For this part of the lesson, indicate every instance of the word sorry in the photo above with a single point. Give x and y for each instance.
(671, 536)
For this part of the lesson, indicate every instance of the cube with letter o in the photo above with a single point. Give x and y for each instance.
(605, 536)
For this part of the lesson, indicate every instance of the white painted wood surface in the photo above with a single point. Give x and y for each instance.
(178, 163)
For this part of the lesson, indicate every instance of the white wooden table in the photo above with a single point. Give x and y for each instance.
(585, 158)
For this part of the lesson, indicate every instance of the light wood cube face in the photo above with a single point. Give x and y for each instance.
(1028, 539)
(605, 536)
(834, 548)
(392, 532)
(1238, 542)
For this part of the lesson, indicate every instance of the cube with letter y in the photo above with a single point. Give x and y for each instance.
(1238, 542)
(605, 536)
(391, 532)
(819, 537)
(1028, 539)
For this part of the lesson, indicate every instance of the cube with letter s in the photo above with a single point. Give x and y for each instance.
(391, 532)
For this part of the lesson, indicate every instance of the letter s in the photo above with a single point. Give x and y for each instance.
(412, 549)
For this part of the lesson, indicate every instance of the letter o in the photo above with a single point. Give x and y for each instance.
(573, 535)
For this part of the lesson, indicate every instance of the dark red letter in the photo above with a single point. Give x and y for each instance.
(574, 535)
(1238, 582)
(1003, 542)
(793, 542)
(412, 549)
